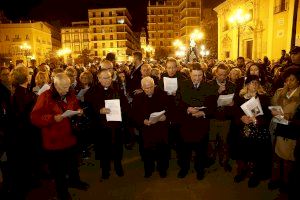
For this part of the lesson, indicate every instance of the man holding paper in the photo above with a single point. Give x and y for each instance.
(150, 116)
(170, 82)
(223, 90)
(104, 105)
(58, 139)
(196, 106)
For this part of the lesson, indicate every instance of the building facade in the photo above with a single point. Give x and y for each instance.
(173, 19)
(28, 40)
(76, 38)
(266, 33)
(110, 30)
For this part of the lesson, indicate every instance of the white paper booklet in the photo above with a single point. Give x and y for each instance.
(43, 89)
(170, 85)
(225, 100)
(115, 110)
(279, 118)
(252, 107)
(70, 113)
(276, 108)
(154, 117)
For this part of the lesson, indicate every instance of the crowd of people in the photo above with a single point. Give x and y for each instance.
(39, 140)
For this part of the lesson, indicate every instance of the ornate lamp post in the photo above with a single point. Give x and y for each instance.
(195, 36)
(26, 48)
(239, 18)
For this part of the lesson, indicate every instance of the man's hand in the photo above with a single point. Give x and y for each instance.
(222, 88)
(58, 118)
(246, 119)
(162, 118)
(138, 91)
(147, 122)
(81, 112)
(231, 104)
(104, 111)
(199, 114)
(192, 110)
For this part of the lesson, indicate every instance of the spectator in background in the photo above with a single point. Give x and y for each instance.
(235, 74)
(21, 153)
(283, 55)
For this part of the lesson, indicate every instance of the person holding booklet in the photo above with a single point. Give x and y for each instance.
(154, 130)
(196, 107)
(252, 145)
(223, 90)
(108, 133)
(172, 73)
(288, 98)
(59, 142)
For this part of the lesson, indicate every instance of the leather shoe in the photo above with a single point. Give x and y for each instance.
(182, 174)
(200, 176)
(148, 174)
(163, 174)
(253, 182)
(80, 185)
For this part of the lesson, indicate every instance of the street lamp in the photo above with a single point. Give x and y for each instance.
(64, 52)
(26, 48)
(239, 18)
(149, 49)
(204, 52)
(180, 49)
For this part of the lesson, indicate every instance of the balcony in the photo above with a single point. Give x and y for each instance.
(16, 39)
(283, 6)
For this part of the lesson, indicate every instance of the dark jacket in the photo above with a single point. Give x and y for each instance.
(142, 107)
(194, 129)
(221, 112)
(134, 79)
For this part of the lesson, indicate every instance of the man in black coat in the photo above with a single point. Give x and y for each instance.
(154, 133)
(108, 134)
(196, 107)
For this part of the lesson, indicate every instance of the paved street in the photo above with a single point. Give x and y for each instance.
(133, 186)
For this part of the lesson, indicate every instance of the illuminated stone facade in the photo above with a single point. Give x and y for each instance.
(267, 32)
(41, 37)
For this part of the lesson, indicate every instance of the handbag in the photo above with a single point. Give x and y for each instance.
(256, 134)
(285, 147)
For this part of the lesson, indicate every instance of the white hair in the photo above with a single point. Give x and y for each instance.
(61, 78)
(146, 80)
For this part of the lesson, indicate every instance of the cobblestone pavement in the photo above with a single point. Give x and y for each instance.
(216, 185)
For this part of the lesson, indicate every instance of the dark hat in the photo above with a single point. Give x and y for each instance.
(250, 78)
(295, 50)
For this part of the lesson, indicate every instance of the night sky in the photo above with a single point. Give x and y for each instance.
(63, 12)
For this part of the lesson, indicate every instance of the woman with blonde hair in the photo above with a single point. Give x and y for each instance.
(234, 74)
(41, 79)
(253, 148)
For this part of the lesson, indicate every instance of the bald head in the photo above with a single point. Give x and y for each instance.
(62, 83)
(148, 85)
(107, 65)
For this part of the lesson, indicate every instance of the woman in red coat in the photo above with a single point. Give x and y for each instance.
(58, 140)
